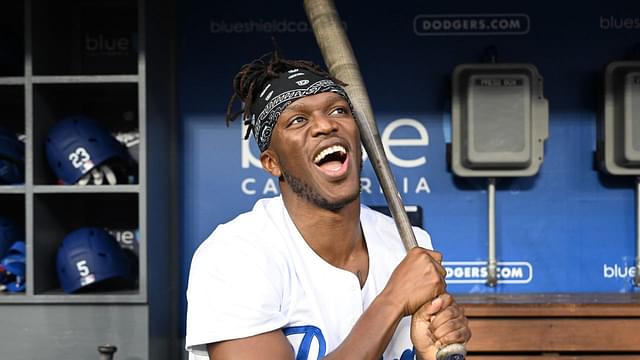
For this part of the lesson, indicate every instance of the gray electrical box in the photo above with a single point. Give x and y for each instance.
(499, 120)
(621, 133)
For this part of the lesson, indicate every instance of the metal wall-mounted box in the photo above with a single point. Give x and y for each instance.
(499, 120)
(621, 130)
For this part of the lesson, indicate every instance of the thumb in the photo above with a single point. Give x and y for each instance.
(429, 309)
(435, 255)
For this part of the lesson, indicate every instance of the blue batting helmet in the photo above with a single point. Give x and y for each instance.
(13, 277)
(78, 144)
(89, 256)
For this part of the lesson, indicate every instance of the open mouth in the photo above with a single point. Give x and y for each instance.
(332, 158)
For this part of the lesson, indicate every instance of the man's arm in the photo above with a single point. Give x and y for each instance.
(272, 345)
(367, 340)
(417, 279)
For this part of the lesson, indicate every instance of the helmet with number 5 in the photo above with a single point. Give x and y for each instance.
(78, 144)
(90, 257)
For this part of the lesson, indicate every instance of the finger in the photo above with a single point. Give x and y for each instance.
(442, 271)
(435, 255)
(435, 306)
(424, 332)
(459, 335)
(437, 261)
(427, 310)
(420, 326)
(447, 313)
(453, 330)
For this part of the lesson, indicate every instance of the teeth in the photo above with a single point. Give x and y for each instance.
(328, 151)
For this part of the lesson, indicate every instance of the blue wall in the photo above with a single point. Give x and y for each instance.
(568, 229)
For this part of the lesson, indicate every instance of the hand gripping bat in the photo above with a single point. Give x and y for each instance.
(340, 60)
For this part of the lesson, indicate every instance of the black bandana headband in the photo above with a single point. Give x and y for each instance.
(280, 92)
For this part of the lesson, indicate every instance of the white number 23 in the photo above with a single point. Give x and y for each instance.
(79, 156)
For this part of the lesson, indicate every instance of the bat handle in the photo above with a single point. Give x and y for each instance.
(107, 351)
(451, 352)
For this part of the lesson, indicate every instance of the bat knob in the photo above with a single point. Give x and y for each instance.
(106, 351)
(452, 352)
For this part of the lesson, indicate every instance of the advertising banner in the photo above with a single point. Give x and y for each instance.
(568, 229)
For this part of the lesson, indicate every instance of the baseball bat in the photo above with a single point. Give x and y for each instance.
(341, 62)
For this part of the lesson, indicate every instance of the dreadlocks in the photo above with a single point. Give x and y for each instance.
(254, 75)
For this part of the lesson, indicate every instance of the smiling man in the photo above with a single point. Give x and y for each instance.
(313, 273)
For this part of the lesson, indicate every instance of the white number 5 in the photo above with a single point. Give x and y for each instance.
(83, 269)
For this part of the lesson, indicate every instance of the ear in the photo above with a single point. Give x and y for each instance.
(270, 162)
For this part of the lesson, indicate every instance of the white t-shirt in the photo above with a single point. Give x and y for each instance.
(257, 274)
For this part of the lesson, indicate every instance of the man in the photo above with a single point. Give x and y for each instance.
(312, 273)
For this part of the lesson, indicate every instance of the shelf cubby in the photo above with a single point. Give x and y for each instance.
(58, 214)
(113, 105)
(86, 38)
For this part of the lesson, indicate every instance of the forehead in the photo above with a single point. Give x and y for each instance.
(311, 102)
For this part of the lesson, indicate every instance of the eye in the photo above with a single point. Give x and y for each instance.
(295, 120)
(340, 110)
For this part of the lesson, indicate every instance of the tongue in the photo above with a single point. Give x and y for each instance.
(331, 165)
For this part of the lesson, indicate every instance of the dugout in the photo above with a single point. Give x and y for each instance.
(565, 196)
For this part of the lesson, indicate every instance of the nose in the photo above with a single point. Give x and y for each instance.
(323, 124)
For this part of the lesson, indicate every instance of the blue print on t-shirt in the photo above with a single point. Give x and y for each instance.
(408, 354)
(310, 332)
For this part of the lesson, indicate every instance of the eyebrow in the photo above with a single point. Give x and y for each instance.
(301, 107)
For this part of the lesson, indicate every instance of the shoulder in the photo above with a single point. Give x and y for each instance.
(263, 216)
(252, 237)
(386, 227)
(238, 281)
(255, 228)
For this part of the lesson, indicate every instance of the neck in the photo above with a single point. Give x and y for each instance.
(335, 235)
